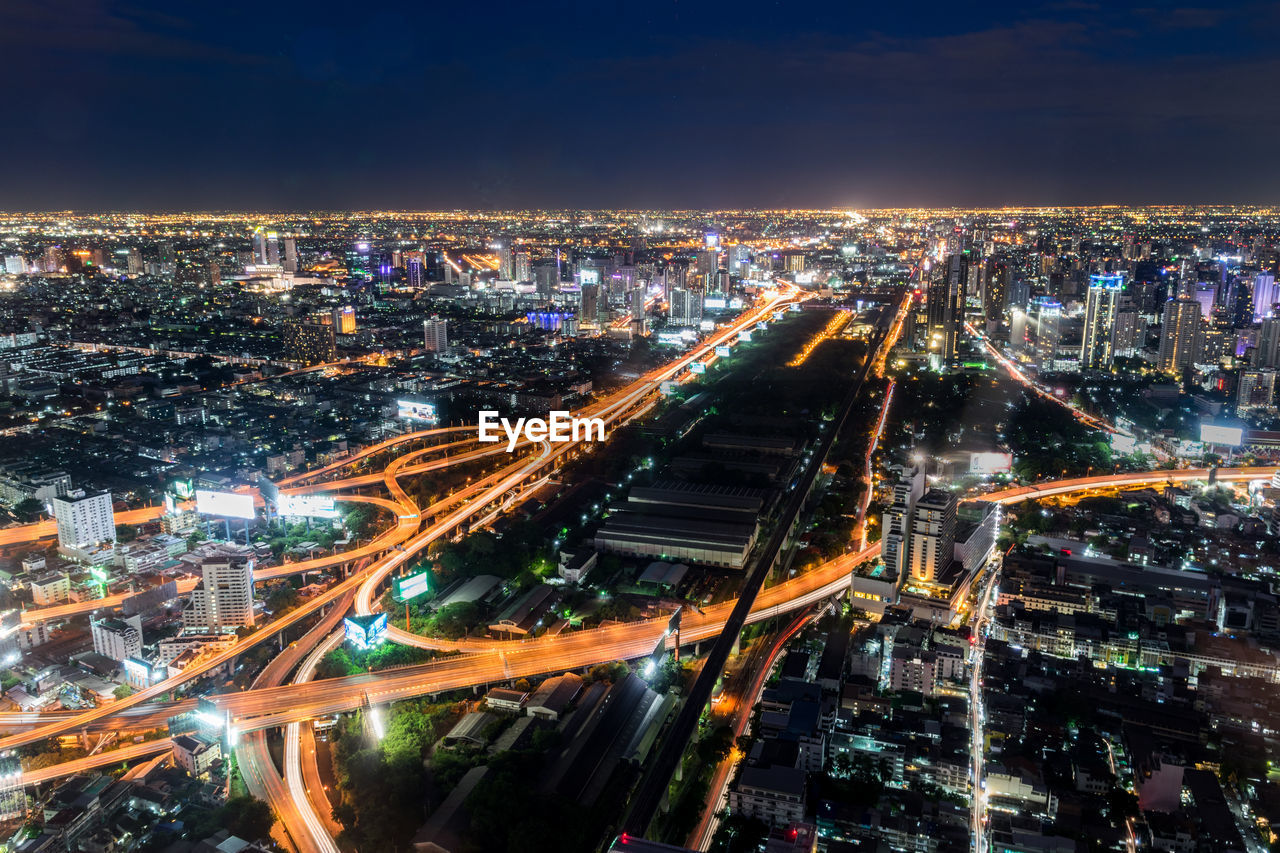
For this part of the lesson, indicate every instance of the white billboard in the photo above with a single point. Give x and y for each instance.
(309, 506)
(415, 410)
(1214, 434)
(990, 463)
(224, 504)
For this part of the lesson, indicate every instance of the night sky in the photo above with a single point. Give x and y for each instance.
(283, 105)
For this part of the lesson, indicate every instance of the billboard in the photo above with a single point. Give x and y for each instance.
(226, 504)
(667, 387)
(415, 410)
(1123, 443)
(723, 351)
(309, 506)
(744, 335)
(714, 302)
(411, 586)
(1215, 434)
(698, 367)
(990, 463)
(182, 487)
(365, 632)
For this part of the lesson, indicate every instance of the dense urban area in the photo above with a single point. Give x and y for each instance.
(782, 531)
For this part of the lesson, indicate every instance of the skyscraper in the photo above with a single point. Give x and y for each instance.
(85, 521)
(1097, 350)
(933, 535)
(946, 307)
(435, 335)
(1048, 330)
(1257, 389)
(224, 599)
(1180, 335)
(506, 261)
(290, 254)
(684, 307)
(896, 522)
(344, 320)
(413, 269)
(1265, 295)
(1267, 353)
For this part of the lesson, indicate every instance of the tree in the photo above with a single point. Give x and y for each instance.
(29, 509)
(126, 533)
(247, 817)
(122, 692)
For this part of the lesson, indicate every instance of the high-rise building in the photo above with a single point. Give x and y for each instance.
(1257, 389)
(995, 290)
(1265, 295)
(946, 307)
(17, 264)
(707, 263)
(1180, 336)
(895, 536)
(266, 247)
(1019, 324)
(1267, 353)
(309, 343)
(344, 320)
(117, 638)
(1131, 332)
(522, 267)
(506, 261)
(1097, 350)
(224, 599)
(933, 535)
(545, 276)
(589, 304)
(290, 254)
(435, 335)
(684, 307)
(1048, 329)
(85, 520)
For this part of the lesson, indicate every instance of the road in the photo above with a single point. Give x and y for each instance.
(493, 661)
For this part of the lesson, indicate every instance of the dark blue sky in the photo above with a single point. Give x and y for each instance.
(660, 104)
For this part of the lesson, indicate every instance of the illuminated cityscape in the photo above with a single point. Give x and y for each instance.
(741, 430)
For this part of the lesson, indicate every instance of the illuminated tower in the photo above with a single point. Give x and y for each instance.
(933, 535)
(1097, 350)
(1180, 336)
(946, 307)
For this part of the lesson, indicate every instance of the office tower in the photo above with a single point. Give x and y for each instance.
(522, 267)
(677, 275)
(85, 520)
(17, 264)
(413, 273)
(546, 278)
(506, 261)
(589, 306)
(134, 263)
(54, 259)
(359, 263)
(933, 535)
(435, 335)
(995, 290)
(1181, 335)
(1257, 389)
(796, 262)
(1265, 295)
(707, 263)
(636, 303)
(684, 307)
(290, 254)
(1267, 353)
(1048, 330)
(117, 638)
(1019, 324)
(223, 601)
(946, 307)
(344, 320)
(273, 249)
(1131, 332)
(896, 522)
(1097, 350)
(309, 343)
(739, 260)
(1207, 296)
